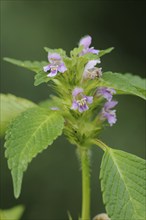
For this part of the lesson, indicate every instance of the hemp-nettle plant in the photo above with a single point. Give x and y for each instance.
(83, 105)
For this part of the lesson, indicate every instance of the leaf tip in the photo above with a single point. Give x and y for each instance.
(17, 183)
(16, 194)
(5, 58)
(45, 48)
(111, 49)
(17, 191)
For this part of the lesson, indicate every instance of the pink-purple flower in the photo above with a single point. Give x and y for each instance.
(107, 93)
(109, 114)
(90, 71)
(80, 100)
(55, 65)
(86, 42)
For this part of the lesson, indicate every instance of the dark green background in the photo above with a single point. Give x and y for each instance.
(52, 184)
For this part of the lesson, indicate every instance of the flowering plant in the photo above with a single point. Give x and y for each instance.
(82, 106)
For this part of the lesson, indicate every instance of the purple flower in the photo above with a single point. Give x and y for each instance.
(77, 91)
(90, 71)
(80, 100)
(109, 105)
(109, 114)
(55, 65)
(86, 42)
(107, 93)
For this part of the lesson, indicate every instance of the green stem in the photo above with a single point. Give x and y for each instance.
(85, 162)
(102, 145)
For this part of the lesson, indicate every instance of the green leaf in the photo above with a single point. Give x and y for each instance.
(69, 216)
(91, 56)
(106, 51)
(59, 51)
(137, 81)
(11, 106)
(123, 185)
(29, 134)
(14, 213)
(35, 66)
(40, 78)
(52, 102)
(124, 83)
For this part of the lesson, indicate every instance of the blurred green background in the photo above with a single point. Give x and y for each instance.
(52, 184)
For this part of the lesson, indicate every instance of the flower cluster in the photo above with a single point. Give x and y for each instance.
(91, 72)
(80, 101)
(55, 65)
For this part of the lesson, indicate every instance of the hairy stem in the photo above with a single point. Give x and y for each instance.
(85, 162)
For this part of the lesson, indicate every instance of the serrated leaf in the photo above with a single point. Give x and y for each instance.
(11, 106)
(137, 81)
(14, 213)
(124, 84)
(34, 66)
(29, 134)
(123, 185)
(59, 51)
(52, 102)
(40, 78)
